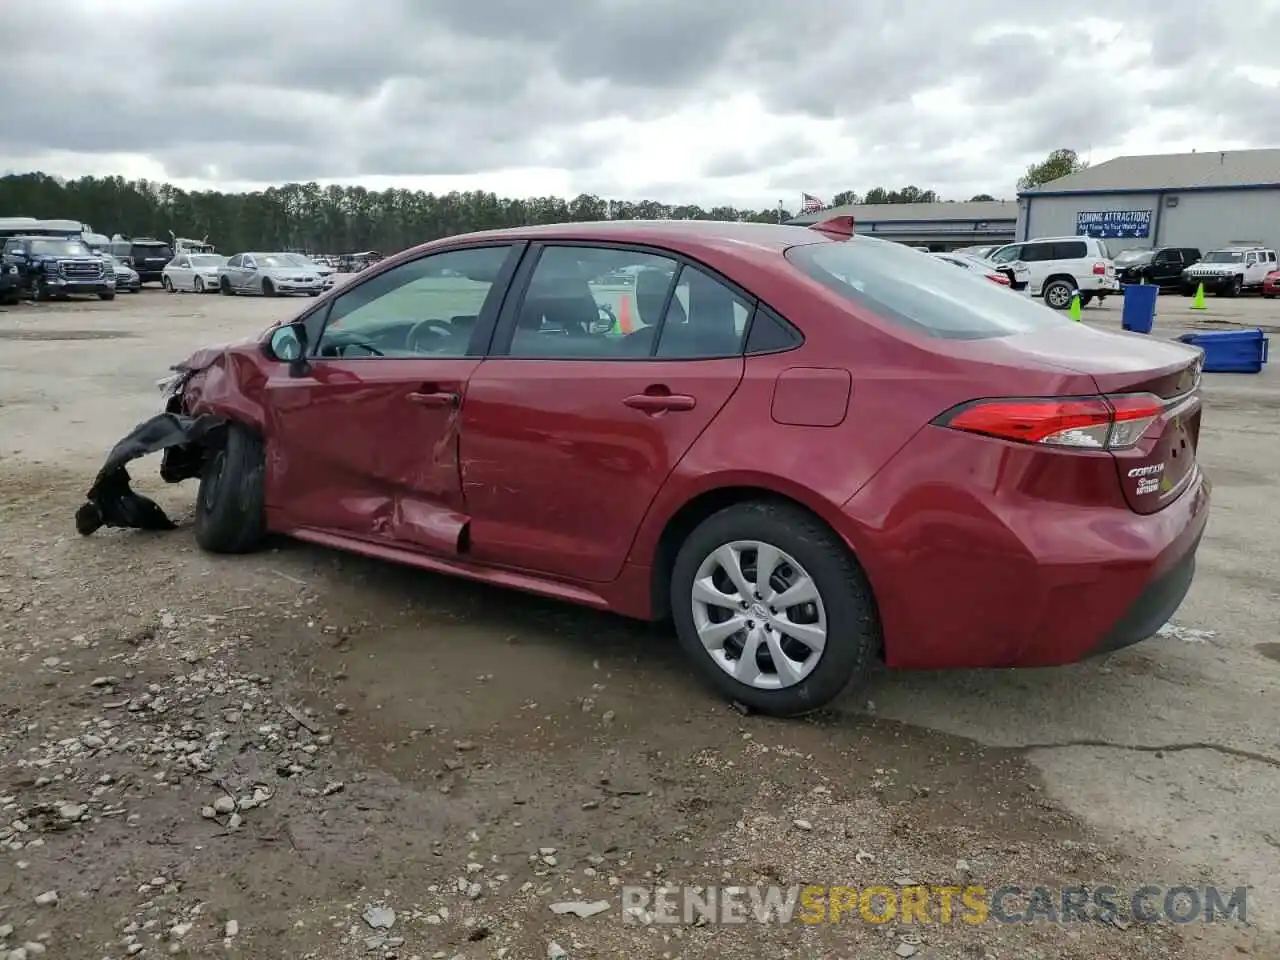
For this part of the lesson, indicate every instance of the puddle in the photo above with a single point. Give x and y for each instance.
(1270, 650)
(65, 334)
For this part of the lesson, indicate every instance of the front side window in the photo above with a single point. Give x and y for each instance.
(1007, 255)
(920, 293)
(427, 307)
(235, 261)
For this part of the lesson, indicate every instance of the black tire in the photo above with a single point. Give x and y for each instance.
(168, 285)
(1055, 291)
(106, 296)
(197, 285)
(1237, 285)
(229, 506)
(853, 627)
(39, 290)
(224, 287)
(268, 288)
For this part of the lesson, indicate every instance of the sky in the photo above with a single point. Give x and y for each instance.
(746, 102)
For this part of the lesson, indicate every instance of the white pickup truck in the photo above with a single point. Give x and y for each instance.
(1229, 271)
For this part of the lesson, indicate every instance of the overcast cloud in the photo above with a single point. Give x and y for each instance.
(707, 101)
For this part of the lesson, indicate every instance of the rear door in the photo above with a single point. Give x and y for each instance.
(365, 444)
(593, 392)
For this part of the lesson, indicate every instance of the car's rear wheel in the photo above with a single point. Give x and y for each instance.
(229, 506)
(1058, 294)
(773, 608)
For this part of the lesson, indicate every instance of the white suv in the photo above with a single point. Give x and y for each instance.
(1230, 270)
(1061, 266)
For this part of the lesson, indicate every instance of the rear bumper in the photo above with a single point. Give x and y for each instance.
(998, 568)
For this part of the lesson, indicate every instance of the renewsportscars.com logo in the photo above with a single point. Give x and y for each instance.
(930, 904)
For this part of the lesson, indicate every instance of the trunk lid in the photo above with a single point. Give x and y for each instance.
(1147, 378)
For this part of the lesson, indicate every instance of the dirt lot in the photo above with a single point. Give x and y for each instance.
(239, 757)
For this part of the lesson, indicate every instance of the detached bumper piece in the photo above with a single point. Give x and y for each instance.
(111, 502)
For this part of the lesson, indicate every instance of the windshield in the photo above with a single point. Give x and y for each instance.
(207, 260)
(1224, 256)
(59, 248)
(1132, 256)
(151, 251)
(302, 261)
(922, 293)
(276, 260)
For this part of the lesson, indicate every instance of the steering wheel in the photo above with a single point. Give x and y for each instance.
(438, 330)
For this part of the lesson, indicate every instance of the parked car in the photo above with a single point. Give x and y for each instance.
(1229, 271)
(56, 267)
(194, 272)
(1271, 285)
(126, 277)
(1015, 275)
(268, 274)
(145, 255)
(1063, 266)
(1162, 266)
(931, 470)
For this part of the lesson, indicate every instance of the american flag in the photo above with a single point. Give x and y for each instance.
(811, 204)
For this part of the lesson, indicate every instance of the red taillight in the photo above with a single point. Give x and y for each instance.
(1084, 423)
(1100, 269)
(999, 278)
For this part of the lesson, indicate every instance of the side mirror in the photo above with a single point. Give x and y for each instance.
(288, 344)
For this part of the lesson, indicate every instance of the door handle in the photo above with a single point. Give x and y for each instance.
(658, 402)
(440, 398)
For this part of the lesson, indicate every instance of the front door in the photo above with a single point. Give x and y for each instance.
(605, 373)
(366, 442)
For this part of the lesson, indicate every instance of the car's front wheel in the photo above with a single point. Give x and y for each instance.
(229, 506)
(773, 608)
(198, 285)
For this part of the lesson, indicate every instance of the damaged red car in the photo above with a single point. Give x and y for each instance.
(809, 450)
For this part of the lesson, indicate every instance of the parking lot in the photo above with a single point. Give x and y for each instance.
(470, 757)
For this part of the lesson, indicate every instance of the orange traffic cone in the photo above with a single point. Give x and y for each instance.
(625, 325)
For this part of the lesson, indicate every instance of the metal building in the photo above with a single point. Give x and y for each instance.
(1204, 200)
(939, 226)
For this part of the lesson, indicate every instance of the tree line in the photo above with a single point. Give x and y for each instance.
(333, 219)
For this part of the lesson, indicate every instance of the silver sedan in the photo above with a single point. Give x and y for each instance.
(269, 275)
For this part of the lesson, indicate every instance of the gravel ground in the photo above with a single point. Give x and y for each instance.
(305, 754)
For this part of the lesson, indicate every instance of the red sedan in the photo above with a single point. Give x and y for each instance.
(809, 450)
(1271, 285)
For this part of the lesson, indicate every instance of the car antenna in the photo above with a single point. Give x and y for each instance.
(840, 228)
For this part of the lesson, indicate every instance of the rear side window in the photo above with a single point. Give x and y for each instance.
(1037, 252)
(1070, 250)
(920, 293)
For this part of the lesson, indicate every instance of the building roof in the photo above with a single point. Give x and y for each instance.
(975, 211)
(1212, 170)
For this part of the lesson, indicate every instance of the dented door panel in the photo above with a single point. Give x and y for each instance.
(356, 451)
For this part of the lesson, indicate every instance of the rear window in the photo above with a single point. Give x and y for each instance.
(924, 294)
(152, 250)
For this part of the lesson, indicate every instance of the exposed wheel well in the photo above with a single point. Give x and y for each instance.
(1061, 276)
(693, 513)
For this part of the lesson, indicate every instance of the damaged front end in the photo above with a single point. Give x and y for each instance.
(199, 399)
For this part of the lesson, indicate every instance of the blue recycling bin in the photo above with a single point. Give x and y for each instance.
(1231, 351)
(1139, 307)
